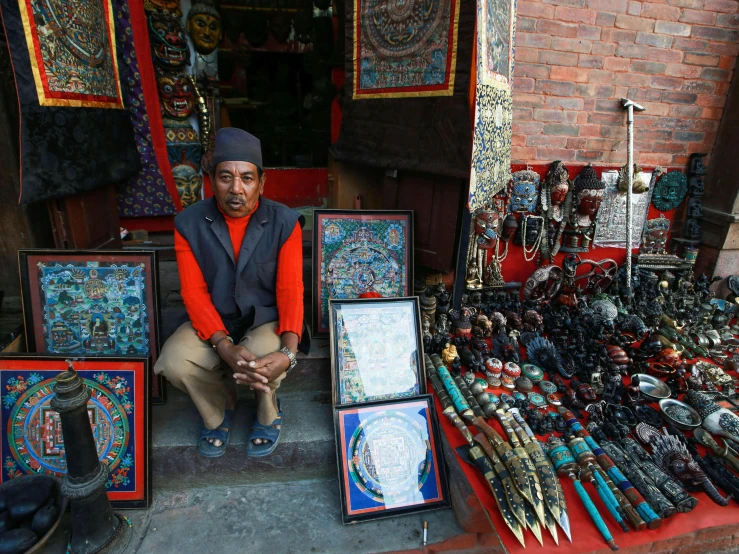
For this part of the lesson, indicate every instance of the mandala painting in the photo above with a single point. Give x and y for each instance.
(405, 49)
(91, 304)
(118, 412)
(359, 252)
(72, 49)
(376, 350)
(389, 459)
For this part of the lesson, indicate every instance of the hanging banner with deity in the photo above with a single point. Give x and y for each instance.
(405, 50)
(491, 147)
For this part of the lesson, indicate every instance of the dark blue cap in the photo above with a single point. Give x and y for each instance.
(236, 145)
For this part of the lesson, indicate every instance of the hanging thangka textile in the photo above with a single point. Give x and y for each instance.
(406, 52)
(408, 71)
(75, 135)
(491, 147)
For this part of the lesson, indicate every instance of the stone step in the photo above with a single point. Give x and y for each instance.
(306, 449)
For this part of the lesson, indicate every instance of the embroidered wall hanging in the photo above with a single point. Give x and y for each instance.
(119, 415)
(430, 129)
(405, 49)
(491, 146)
(74, 133)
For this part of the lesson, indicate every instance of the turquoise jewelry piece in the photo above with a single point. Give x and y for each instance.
(533, 372)
(507, 399)
(494, 399)
(554, 399)
(483, 383)
(537, 400)
(548, 387)
(519, 396)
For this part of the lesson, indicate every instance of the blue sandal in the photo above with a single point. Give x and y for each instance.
(221, 433)
(269, 432)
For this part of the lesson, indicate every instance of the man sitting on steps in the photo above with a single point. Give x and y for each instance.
(241, 270)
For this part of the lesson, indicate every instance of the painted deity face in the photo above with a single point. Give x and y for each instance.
(205, 30)
(589, 201)
(172, 6)
(559, 193)
(487, 224)
(525, 192)
(176, 96)
(655, 235)
(168, 41)
(189, 184)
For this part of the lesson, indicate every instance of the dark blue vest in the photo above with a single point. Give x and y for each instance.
(243, 293)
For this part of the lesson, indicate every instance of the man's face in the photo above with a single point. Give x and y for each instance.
(206, 32)
(237, 186)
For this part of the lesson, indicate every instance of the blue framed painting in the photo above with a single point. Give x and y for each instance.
(92, 303)
(358, 252)
(389, 458)
(119, 410)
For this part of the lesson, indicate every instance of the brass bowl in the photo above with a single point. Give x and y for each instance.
(652, 388)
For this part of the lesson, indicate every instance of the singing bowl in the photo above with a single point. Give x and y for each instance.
(695, 418)
(652, 388)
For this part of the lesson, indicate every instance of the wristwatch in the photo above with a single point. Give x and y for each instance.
(289, 353)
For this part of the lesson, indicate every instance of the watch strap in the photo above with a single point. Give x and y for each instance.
(293, 360)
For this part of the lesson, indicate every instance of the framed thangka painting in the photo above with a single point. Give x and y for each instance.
(376, 350)
(119, 411)
(92, 303)
(359, 252)
(389, 459)
(404, 50)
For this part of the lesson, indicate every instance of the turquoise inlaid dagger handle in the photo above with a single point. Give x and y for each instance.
(609, 500)
(451, 387)
(592, 510)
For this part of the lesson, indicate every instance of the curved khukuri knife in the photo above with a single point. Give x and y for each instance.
(705, 438)
(515, 467)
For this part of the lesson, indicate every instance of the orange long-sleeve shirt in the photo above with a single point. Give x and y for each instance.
(289, 286)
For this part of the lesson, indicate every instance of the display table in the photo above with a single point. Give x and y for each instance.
(707, 528)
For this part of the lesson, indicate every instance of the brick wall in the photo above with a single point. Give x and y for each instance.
(575, 59)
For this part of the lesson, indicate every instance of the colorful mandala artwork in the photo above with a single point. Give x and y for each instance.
(360, 252)
(377, 353)
(405, 49)
(72, 49)
(389, 458)
(33, 441)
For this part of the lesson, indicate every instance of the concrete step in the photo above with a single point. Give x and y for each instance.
(306, 449)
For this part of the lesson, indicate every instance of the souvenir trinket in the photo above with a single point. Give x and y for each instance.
(651, 387)
(477, 388)
(670, 191)
(671, 455)
(543, 353)
(553, 194)
(507, 382)
(483, 260)
(168, 42)
(610, 227)
(587, 196)
(717, 420)
(533, 372)
(679, 414)
(524, 384)
(204, 26)
(493, 366)
(494, 399)
(554, 399)
(646, 414)
(506, 398)
(512, 369)
(524, 191)
(548, 387)
(519, 397)
(705, 438)
(537, 400)
(482, 398)
(482, 382)
(543, 284)
(494, 381)
(469, 377)
(449, 354)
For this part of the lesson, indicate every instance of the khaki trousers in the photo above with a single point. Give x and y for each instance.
(193, 366)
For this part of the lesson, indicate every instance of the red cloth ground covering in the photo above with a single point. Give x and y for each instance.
(585, 536)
